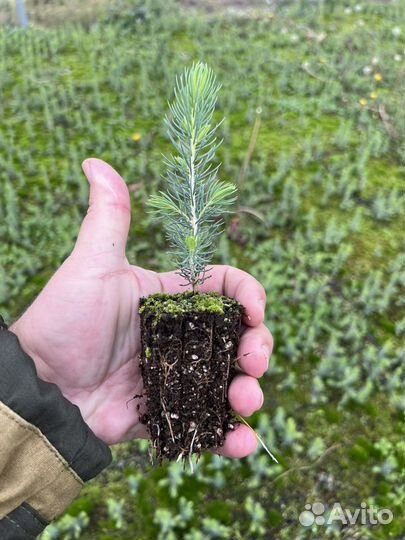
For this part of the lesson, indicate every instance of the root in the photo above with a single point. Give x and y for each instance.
(168, 420)
(187, 373)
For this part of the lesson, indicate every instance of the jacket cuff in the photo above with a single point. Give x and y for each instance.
(47, 450)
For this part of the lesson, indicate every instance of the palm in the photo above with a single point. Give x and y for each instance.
(85, 338)
(83, 329)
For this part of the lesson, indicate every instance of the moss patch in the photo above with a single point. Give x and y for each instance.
(178, 304)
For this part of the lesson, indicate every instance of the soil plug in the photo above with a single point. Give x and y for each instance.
(190, 340)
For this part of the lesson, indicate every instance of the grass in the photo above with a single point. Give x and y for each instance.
(320, 224)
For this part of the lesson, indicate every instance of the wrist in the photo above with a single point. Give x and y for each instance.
(17, 328)
(43, 372)
(42, 404)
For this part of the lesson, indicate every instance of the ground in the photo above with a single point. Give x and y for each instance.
(49, 13)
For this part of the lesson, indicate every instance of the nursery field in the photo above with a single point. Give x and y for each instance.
(314, 137)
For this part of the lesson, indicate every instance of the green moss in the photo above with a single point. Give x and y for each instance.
(178, 304)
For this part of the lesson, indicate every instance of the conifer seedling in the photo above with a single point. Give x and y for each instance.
(190, 339)
(194, 195)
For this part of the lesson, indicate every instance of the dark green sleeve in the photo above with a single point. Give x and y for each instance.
(35, 417)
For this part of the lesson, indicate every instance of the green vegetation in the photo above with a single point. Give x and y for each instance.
(314, 137)
(176, 304)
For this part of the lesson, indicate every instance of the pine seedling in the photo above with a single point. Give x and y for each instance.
(194, 198)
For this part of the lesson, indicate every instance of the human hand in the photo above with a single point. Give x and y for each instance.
(83, 330)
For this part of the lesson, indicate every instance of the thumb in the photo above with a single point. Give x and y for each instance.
(105, 228)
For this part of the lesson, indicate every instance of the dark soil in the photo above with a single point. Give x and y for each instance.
(189, 348)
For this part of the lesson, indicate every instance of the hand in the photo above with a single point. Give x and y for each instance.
(83, 330)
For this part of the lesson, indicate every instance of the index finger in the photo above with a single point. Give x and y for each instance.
(228, 281)
(241, 286)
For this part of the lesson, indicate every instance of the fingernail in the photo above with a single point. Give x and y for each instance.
(86, 166)
(262, 401)
(266, 351)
